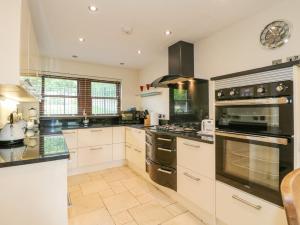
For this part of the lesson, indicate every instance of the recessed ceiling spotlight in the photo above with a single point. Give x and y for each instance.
(93, 8)
(122, 64)
(81, 39)
(74, 56)
(168, 32)
(127, 30)
(139, 52)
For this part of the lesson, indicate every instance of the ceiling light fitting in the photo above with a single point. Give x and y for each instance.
(92, 8)
(81, 39)
(168, 32)
(139, 52)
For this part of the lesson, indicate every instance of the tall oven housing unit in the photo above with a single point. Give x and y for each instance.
(254, 114)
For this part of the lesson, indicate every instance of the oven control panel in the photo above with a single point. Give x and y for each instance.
(275, 89)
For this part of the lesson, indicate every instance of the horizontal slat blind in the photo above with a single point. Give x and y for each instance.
(68, 96)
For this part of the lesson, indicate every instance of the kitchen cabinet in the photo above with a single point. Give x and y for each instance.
(70, 138)
(196, 156)
(135, 148)
(19, 49)
(118, 143)
(72, 163)
(90, 156)
(235, 207)
(197, 188)
(118, 135)
(94, 137)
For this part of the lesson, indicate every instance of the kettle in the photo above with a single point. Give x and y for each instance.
(207, 126)
(13, 131)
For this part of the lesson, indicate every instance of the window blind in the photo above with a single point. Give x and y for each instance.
(70, 96)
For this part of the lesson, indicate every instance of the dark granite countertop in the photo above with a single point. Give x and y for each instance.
(58, 129)
(191, 136)
(36, 149)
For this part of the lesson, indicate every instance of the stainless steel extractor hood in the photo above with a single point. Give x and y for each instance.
(181, 65)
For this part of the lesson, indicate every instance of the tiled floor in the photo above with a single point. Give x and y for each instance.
(118, 196)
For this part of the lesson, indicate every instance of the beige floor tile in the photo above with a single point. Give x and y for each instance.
(122, 218)
(150, 214)
(96, 217)
(120, 202)
(117, 187)
(78, 179)
(106, 193)
(85, 204)
(184, 219)
(94, 187)
(75, 194)
(176, 209)
(114, 176)
(161, 198)
(145, 198)
(74, 188)
(131, 223)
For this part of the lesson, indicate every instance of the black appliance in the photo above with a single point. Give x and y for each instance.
(161, 158)
(254, 137)
(131, 116)
(181, 65)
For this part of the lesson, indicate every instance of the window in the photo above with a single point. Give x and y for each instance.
(60, 96)
(105, 98)
(181, 101)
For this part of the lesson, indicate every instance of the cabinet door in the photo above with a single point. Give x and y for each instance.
(119, 151)
(139, 138)
(196, 156)
(235, 207)
(129, 135)
(139, 157)
(72, 163)
(94, 155)
(129, 152)
(118, 135)
(196, 188)
(70, 138)
(94, 137)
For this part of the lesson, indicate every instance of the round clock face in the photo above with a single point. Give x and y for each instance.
(275, 34)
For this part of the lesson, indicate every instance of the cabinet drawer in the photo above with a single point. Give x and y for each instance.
(118, 135)
(119, 151)
(94, 137)
(72, 163)
(70, 138)
(196, 188)
(196, 156)
(136, 137)
(235, 207)
(138, 157)
(94, 155)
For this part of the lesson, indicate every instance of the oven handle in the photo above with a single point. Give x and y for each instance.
(272, 140)
(258, 207)
(263, 101)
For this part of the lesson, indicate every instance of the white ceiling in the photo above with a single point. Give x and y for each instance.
(59, 23)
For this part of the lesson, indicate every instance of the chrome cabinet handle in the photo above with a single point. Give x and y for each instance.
(164, 149)
(272, 140)
(164, 171)
(137, 150)
(96, 130)
(258, 207)
(264, 101)
(96, 149)
(191, 176)
(164, 139)
(190, 145)
(73, 132)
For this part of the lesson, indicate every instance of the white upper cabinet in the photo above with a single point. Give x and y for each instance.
(10, 23)
(19, 50)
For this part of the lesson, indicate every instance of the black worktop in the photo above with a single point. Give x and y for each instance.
(36, 149)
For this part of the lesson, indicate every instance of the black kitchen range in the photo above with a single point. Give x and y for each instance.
(254, 132)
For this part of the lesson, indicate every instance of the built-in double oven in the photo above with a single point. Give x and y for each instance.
(254, 137)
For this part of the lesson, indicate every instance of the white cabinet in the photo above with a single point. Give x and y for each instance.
(135, 147)
(72, 163)
(118, 135)
(94, 137)
(94, 155)
(196, 188)
(196, 156)
(119, 151)
(235, 207)
(70, 138)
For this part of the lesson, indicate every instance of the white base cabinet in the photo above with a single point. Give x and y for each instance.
(90, 156)
(235, 207)
(196, 188)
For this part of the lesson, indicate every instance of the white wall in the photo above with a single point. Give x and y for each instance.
(235, 48)
(129, 78)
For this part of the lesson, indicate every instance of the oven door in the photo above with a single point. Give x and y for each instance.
(255, 164)
(269, 116)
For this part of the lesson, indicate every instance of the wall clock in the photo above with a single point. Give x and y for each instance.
(275, 34)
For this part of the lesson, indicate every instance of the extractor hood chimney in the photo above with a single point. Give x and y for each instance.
(181, 65)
